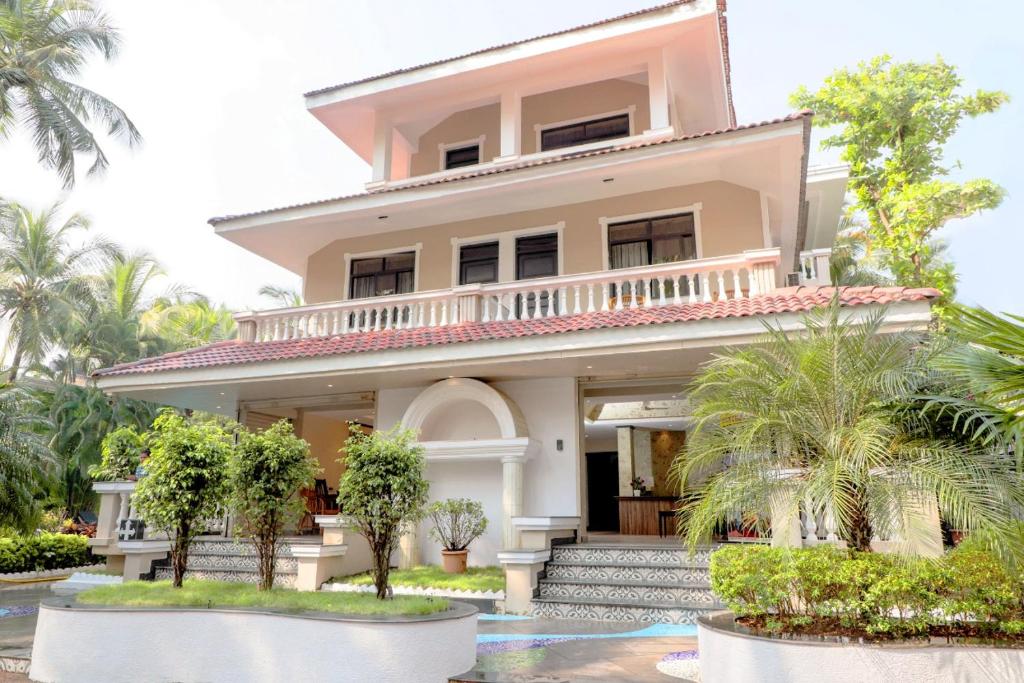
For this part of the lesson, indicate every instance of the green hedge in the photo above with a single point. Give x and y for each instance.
(45, 551)
(830, 590)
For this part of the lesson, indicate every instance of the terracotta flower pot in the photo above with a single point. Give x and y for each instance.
(454, 561)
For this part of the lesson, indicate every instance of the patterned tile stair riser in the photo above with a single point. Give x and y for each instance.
(233, 561)
(625, 583)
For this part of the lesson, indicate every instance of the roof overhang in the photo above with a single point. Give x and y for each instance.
(764, 157)
(692, 31)
(616, 352)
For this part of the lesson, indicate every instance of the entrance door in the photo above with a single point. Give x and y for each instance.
(602, 488)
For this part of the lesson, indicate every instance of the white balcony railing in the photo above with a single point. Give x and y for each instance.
(751, 273)
(814, 267)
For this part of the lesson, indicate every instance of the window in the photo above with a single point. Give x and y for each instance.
(604, 128)
(462, 156)
(478, 263)
(382, 275)
(536, 256)
(651, 241)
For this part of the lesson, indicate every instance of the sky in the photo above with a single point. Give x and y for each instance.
(217, 94)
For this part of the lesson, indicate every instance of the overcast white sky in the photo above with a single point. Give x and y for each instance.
(215, 88)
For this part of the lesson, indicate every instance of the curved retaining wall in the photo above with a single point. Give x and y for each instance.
(90, 643)
(726, 656)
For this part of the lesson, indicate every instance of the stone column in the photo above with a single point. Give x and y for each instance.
(511, 497)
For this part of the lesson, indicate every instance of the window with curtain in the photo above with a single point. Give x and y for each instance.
(382, 275)
(605, 128)
(651, 241)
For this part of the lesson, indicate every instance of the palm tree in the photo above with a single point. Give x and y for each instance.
(285, 297)
(988, 364)
(42, 283)
(43, 46)
(822, 416)
(24, 456)
(187, 322)
(853, 262)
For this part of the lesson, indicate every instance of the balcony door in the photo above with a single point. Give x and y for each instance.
(536, 256)
(652, 241)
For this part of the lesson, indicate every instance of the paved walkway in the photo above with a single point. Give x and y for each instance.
(509, 649)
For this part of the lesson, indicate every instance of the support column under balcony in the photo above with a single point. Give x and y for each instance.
(512, 470)
(511, 126)
(658, 92)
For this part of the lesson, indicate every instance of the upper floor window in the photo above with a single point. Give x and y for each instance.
(604, 128)
(478, 263)
(650, 241)
(383, 275)
(457, 157)
(537, 256)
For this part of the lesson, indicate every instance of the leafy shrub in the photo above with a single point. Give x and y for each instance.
(457, 522)
(830, 590)
(120, 455)
(45, 551)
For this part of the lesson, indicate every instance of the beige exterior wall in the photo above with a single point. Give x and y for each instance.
(591, 99)
(581, 101)
(730, 222)
(325, 437)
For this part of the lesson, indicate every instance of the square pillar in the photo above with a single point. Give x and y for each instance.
(383, 137)
(658, 94)
(511, 497)
(316, 564)
(511, 126)
(522, 568)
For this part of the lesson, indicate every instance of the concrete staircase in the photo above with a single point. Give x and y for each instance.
(229, 559)
(625, 582)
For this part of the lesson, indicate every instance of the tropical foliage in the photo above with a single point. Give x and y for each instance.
(892, 122)
(44, 44)
(267, 471)
(186, 480)
(23, 457)
(822, 417)
(43, 551)
(383, 491)
(120, 450)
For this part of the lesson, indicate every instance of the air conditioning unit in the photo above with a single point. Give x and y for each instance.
(793, 279)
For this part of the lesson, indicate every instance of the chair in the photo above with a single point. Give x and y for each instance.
(663, 518)
(327, 503)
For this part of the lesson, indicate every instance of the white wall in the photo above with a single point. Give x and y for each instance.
(551, 478)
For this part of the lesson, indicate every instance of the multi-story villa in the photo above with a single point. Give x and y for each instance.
(556, 233)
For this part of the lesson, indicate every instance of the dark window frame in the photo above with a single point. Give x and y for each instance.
(384, 271)
(649, 237)
(449, 151)
(465, 262)
(584, 138)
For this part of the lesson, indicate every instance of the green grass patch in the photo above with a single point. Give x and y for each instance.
(208, 594)
(432, 576)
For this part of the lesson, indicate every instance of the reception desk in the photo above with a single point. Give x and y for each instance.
(638, 515)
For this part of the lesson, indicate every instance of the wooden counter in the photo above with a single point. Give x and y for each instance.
(638, 515)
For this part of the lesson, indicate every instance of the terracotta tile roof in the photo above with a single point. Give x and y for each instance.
(485, 170)
(721, 27)
(788, 300)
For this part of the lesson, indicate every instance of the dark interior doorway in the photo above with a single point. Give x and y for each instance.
(602, 488)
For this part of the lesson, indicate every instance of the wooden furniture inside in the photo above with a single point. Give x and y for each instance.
(638, 515)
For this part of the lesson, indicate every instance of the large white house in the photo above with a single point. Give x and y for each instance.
(556, 233)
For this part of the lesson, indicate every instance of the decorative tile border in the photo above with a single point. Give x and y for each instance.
(56, 574)
(637, 574)
(15, 665)
(282, 580)
(601, 612)
(627, 593)
(668, 557)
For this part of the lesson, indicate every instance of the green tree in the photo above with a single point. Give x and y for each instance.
(43, 46)
(24, 457)
(267, 471)
(822, 416)
(186, 480)
(43, 287)
(284, 297)
(188, 322)
(121, 450)
(893, 120)
(383, 491)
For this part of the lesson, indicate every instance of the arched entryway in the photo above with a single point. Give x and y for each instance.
(466, 420)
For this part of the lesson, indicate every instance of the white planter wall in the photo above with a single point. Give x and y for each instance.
(221, 646)
(728, 657)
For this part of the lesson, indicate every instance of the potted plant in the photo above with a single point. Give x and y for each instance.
(637, 484)
(457, 523)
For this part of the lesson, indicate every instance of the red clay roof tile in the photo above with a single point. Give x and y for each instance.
(788, 300)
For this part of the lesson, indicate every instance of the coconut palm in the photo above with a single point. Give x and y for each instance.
(853, 262)
(988, 364)
(187, 322)
(284, 297)
(43, 287)
(821, 416)
(43, 46)
(24, 456)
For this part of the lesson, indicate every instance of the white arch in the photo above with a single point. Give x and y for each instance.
(511, 422)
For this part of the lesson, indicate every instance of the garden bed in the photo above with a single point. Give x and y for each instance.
(216, 632)
(474, 580)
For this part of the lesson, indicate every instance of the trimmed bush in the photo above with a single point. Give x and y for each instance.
(45, 551)
(826, 590)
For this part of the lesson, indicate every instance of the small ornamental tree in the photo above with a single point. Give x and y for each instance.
(457, 522)
(267, 470)
(186, 480)
(120, 452)
(383, 491)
